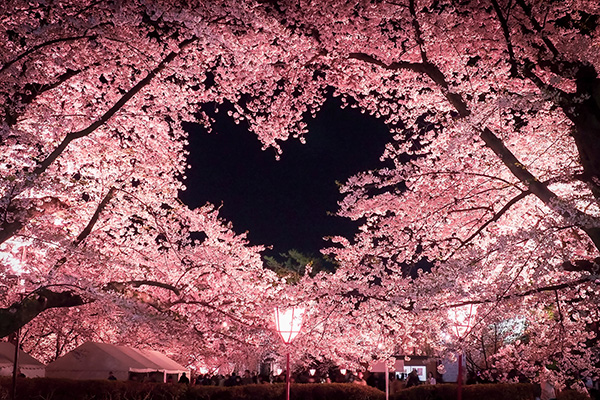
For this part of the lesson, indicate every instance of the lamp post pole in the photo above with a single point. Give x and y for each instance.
(287, 376)
(460, 376)
(462, 318)
(288, 323)
(13, 392)
(387, 382)
(15, 365)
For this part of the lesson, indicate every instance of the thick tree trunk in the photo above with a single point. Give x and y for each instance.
(586, 117)
(20, 313)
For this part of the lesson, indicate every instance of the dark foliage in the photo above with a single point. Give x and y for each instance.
(64, 389)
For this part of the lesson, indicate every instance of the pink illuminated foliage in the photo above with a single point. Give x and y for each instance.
(493, 173)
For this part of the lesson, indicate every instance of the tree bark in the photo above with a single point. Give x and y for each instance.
(20, 313)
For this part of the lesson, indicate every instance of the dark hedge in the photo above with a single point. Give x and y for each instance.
(64, 389)
(447, 391)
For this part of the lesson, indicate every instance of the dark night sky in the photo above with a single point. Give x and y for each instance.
(283, 203)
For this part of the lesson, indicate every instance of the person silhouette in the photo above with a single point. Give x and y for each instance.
(413, 379)
(184, 379)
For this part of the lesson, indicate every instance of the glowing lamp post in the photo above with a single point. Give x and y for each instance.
(288, 323)
(462, 318)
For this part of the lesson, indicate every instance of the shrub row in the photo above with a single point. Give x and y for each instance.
(491, 391)
(448, 391)
(64, 389)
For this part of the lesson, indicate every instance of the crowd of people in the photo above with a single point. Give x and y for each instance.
(399, 381)
(336, 376)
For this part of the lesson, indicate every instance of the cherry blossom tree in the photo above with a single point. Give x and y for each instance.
(492, 171)
(93, 97)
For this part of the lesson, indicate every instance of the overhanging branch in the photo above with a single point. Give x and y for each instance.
(494, 143)
(494, 218)
(45, 44)
(20, 313)
(113, 110)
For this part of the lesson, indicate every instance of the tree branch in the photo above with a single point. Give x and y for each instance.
(34, 89)
(550, 288)
(431, 70)
(42, 45)
(120, 286)
(538, 188)
(504, 24)
(49, 205)
(20, 313)
(417, 28)
(113, 110)
(495, 218)
(527, 9)
(43, 165)
(88, 229)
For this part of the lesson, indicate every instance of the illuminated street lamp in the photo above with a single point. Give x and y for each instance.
(288, 323)
(462, 318)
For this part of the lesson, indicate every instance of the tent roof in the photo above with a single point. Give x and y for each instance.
(92, 356)
(165, 362)
(7, 356)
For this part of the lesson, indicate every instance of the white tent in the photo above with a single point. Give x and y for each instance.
(97, 360)
(28, 365)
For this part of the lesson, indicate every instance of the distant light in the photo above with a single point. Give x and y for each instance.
(279, 371)
(224, 324)
(312, 371)
(343, 371)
